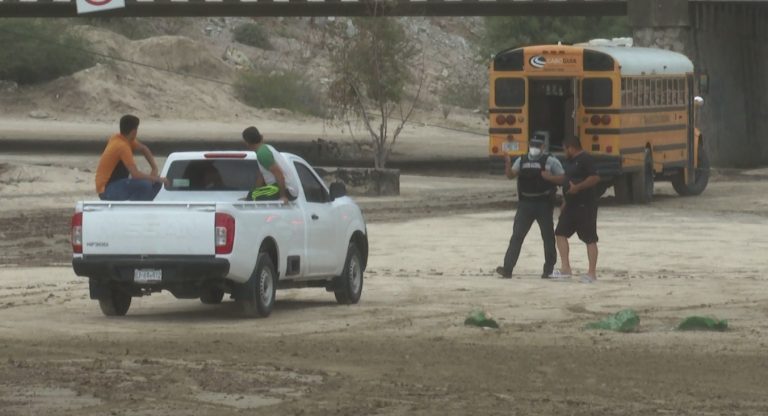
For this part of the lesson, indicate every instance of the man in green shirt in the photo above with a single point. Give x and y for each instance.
(271, 171)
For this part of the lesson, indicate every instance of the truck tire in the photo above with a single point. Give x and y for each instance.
(642, 182)
(114, 302)
(211, 295)
(349, 286)
(258, 295)
(700, 179)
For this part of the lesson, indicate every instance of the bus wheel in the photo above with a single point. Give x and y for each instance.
(700, 179)
(621, 189)
(642, 182)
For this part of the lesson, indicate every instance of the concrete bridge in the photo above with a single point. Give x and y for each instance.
(134, 8)
(727, 39)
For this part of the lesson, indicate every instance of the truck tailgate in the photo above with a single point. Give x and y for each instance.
(148, 228)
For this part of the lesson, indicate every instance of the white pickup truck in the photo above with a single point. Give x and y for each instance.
(201, 239)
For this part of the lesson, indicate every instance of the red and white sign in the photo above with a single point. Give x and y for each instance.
(90, 6)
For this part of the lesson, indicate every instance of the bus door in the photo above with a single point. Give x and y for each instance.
(573, 113)
(552, 105)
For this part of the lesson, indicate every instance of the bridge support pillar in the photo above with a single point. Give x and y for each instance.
(730, 46)
(728, 43)
(660, 23)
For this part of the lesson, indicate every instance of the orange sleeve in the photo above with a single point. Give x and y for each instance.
(126, 156)
(135, 144)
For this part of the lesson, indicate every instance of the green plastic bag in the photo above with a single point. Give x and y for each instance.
(702, 323)
(480, 319)
(623, 321)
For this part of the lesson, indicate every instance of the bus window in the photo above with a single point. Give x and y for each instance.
(625, 93)
(597, 61)
(675, 92)
(670, 92)
(646, 92)
(510, 92)
(597, 92)
(509, 61)
(659, 92)
(638, 93)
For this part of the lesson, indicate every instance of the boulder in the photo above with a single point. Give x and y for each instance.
(38, 114)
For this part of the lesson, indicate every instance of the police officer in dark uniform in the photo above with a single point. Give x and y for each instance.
(536, 195)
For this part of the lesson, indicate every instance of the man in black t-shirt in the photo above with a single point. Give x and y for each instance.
(579, 212)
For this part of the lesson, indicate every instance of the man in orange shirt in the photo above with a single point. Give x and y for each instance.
(117, 177)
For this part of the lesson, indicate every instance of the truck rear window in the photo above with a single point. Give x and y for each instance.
(213, 175)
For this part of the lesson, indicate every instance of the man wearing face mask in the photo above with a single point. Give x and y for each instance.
(536, 194)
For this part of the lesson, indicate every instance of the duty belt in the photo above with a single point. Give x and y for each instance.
(535, 195)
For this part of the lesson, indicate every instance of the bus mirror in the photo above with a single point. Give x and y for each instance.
(698, 101)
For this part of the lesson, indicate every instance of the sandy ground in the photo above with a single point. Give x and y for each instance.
(404, 348)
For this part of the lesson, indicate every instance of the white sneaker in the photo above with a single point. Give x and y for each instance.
(587, 279)
(558, 275)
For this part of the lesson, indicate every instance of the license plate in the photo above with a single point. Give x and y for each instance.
(148, 275)
(511, 146)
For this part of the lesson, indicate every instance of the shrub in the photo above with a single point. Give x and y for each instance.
(34, 51)
(252, 34)
(502, 32)
(286, 90)
(465, 93)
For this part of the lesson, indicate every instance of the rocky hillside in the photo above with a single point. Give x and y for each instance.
(199, 60)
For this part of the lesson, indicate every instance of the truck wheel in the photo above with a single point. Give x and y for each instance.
(258, 296)
(349, 286)
(642, 182)
(114, 302)
(700, 179)
(211, 295)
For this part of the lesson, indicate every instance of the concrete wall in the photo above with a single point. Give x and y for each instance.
(729, 44)
(363, 181)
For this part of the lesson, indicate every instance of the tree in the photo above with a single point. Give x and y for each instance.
(36, 51)
(374, 64)
(507, 32)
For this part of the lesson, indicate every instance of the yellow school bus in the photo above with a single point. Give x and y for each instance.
(632, 108)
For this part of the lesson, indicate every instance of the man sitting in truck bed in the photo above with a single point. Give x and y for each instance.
(272, 171)
(117, 177)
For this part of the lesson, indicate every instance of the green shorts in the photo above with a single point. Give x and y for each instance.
(264, 193)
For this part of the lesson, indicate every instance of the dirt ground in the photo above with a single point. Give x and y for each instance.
(404, 348)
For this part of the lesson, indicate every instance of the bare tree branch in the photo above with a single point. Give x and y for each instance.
(404, 119)
(373, 73)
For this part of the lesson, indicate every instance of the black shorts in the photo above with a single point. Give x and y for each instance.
(579, 219)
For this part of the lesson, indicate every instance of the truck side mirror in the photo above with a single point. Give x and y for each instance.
(338, 190)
